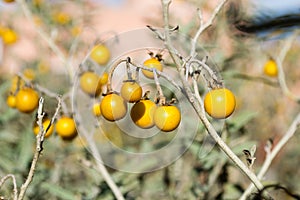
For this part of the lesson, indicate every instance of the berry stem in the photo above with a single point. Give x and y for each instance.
(111, 72)
(214, 83)
(129, 74)
(161, 97)
(159, 73)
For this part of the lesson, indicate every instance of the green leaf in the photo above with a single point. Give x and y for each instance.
(25, 148)
(58, 191)
(240, 120)
(8, 115)
(6, 163)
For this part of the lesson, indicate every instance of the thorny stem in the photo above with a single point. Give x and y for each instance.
(15, 189)
(47, 38)
(39, 146)
(272, 154)
(199, 109)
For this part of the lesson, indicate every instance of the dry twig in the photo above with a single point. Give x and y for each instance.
(199, 108)
(39, 145)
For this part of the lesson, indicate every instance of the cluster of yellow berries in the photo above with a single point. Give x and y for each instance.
(113, 106)
(26, 99)
(219, 103)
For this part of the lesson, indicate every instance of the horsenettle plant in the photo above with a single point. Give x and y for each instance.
(94, 107)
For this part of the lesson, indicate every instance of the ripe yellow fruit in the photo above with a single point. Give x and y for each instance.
(62, 18)
(29, 73)
(96, 110)
(11, 101)
(167, 117)
(113, 107)
(100, 54)
(8, 1)
(142, 113)
(16, 83)
(66, 128)
(104, 78)
(270, 68)
(219, 103)
(90, 83)
(152, 63)
(131, 91)
(9, 36)
(27, 100)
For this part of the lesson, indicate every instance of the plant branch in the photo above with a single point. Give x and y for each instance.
(111, 72)
(199, 108)
(39, 145)
(201, 64)
(203, 27)
(279, 60)
(99, 162)
(282, 82)
(158, 73)
(270, 155)
(256, 79)
(47, 92)
(15, 189)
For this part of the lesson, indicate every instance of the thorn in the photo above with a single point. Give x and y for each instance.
(175, 28)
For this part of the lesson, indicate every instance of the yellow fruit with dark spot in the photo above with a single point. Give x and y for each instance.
(142, 113)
